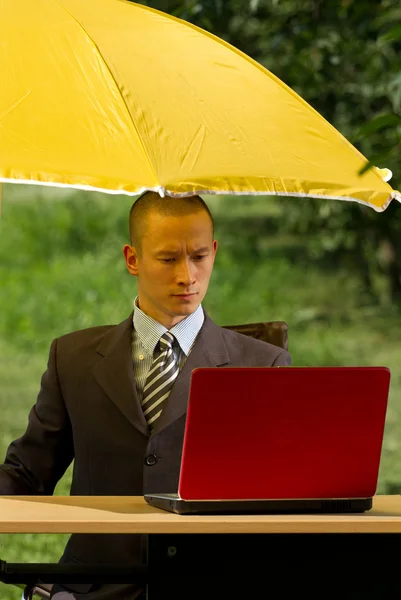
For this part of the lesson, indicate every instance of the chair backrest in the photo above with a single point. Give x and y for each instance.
(273, 332)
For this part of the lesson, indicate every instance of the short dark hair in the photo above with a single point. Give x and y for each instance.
(168, 206)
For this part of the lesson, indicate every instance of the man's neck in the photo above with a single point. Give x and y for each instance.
(162, 319)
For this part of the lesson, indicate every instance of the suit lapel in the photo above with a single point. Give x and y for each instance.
(209, 350)
(115, 373)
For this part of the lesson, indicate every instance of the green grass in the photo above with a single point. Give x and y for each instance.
(61, 268)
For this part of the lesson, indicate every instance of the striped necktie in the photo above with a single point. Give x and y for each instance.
(160, 380)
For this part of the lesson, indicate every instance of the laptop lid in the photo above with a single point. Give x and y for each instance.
(282, 433)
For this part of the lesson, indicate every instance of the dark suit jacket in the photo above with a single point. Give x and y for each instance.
(87, 409)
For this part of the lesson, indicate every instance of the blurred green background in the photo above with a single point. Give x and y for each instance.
(332, 270)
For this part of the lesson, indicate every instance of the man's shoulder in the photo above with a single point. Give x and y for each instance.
(87, 339)
(89, 333)
(245, 341)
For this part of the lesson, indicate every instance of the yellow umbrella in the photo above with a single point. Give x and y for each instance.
(118, 97)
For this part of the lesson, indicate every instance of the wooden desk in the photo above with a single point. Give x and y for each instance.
(106, 514)
(331, 563)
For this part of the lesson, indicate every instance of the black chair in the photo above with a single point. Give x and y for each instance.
(273, 332)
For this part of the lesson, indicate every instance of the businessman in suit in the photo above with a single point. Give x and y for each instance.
(114, 398)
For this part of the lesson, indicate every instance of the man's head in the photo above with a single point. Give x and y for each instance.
(172, 253)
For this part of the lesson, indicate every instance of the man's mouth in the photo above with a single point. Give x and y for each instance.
(185, 295)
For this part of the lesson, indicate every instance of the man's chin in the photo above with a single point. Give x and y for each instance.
(185, 306)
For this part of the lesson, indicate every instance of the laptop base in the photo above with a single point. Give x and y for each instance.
(173, 503)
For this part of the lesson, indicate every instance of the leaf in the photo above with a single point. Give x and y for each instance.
(392, 35)
(395, 91)
(379, 122)
(254, 5)
(368, 165)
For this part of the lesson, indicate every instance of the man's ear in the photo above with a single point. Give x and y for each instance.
(131, 259)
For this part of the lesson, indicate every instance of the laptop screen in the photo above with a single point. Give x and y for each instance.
(283, 433)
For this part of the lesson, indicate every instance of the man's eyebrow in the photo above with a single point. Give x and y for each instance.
(169, 252)
(203, 249)
(164, 252)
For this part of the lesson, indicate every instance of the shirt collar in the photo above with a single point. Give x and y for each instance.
(150, 331)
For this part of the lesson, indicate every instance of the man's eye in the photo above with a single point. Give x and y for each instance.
(167, 260)
(200, 256)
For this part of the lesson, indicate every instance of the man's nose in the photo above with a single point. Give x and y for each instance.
(186, 274)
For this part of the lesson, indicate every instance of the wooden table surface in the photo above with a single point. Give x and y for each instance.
(129, 514)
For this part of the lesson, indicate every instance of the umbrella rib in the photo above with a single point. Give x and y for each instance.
(395, 195)
(114, 80)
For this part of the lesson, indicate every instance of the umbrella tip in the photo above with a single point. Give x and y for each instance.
(396, 195)
(385, 174)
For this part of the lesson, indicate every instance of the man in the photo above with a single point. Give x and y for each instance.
(114, 397)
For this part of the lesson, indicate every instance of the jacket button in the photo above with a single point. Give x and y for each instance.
(151, 460)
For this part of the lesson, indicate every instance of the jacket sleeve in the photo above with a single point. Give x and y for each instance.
(282, 360)
(36, 461)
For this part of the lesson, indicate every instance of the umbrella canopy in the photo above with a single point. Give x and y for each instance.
(118, 97)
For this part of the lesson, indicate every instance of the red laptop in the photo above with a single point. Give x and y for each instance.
(288, 439)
